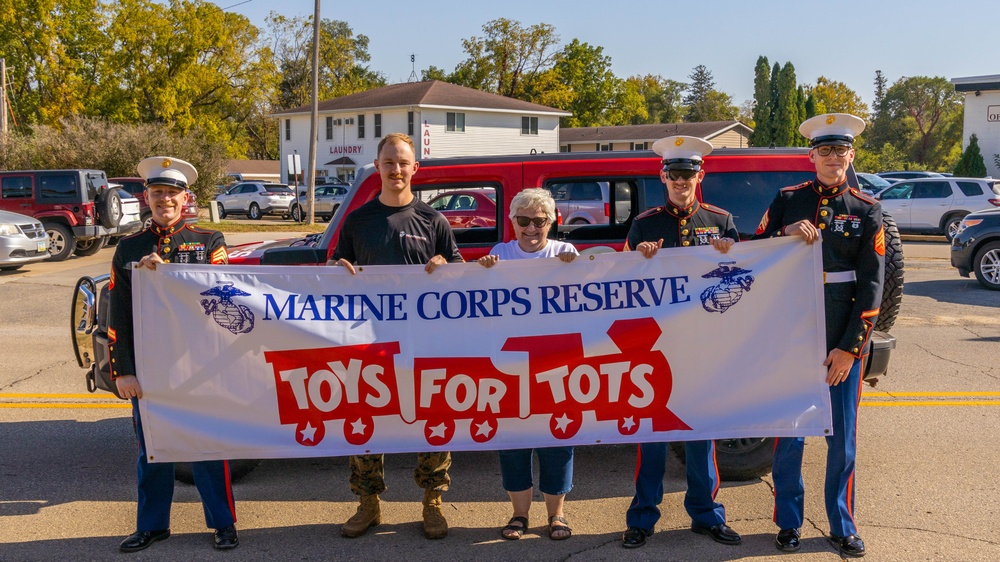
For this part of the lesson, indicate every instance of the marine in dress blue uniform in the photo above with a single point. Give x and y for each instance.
(849, 225)
(167, 240)
(682, 222)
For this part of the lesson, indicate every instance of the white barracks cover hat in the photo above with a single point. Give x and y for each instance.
(163, 170)
(832, 129)
(681, 152)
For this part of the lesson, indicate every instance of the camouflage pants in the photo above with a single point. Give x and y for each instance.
(368, 472)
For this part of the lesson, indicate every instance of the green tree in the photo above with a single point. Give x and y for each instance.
(434, 73)
(786, 110)
(663, 98)
(761, 135)
(971, 164)
(704, 102)
(926, 114)
(507, 58)
(832, 96)
(581, 81)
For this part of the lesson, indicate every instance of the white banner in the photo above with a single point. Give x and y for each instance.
(278, 362)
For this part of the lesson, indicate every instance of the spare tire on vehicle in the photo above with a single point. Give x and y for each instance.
(109, 208)
(892, 286)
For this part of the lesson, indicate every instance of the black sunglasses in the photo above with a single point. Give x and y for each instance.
(674, 175)
(523, 222)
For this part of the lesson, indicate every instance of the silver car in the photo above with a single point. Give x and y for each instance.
(328, 199)
(937, 205)
(22, 240)
(256, 199)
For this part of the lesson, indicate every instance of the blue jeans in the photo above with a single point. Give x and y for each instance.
(555, 470)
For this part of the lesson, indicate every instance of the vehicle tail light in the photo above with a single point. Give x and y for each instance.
(995, 202)
(558, 217)
(607, 209)
(88, 214)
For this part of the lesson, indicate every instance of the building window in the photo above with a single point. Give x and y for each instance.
(604, 148)
(456, 122)
(378, 125)
(288, 129)
(565, 148)
(529, 125)
(409, 123)
(361, 126)
(640, 146)
(329, 128)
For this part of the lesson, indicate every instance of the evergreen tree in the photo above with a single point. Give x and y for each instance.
(761, 135)
(775, 74)
(971, 164)
(801, 95)
(701, 84)
(880, 86)
(786, 111)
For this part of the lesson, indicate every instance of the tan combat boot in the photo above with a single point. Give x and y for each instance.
(369, 515)
(435, 526)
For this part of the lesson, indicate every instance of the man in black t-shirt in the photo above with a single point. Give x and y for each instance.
(396, 228)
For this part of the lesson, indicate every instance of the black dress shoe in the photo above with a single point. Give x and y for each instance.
(720, 533)
(787, 540)
(140, 540)
(634, 537)
(226, 538)
(851, 545)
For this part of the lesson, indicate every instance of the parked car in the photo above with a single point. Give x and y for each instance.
(136, 186)
(256, 199)
(22, 241)
(467, 208)
(130, 215)
(582, 202)
(908, 175)
(79, 210)
(872, 184)
(976, 247)
(328, 199)
(937, 205)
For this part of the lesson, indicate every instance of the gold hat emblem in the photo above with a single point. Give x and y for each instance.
(830, 120)
(678, 142)
(166, 163)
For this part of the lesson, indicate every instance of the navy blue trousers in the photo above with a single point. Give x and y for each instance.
(156, 488)
(789, 490)
(702, 485)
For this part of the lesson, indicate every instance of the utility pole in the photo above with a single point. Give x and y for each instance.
(3, 98)
(314, 119)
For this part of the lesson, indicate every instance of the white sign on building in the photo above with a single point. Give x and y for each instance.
(982, 116)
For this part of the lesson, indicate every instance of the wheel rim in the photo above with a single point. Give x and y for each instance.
(57, 243)
(990, 266)
(953, 228)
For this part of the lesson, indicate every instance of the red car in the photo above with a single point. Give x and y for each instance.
(467, 209)
(136, 186)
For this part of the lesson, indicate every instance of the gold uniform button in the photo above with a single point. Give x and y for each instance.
(823, 213)
(683, 222)
(166, 240)
(822, 226)
(166, 261)
(166, 249)
(861, 338)
(825, 202)
(685, 232)
(855, 350)
(847, 234)
(686, 243)
(675, 210)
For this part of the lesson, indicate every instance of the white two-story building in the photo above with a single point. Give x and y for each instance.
(982, 116)
(443, 120)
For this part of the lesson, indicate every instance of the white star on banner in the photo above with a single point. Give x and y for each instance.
(308, 433)
(628, 424)
(562, 423)
(484, 429)
(438, 430)
(358, 427)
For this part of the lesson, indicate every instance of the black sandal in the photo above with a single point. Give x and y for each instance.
(558, 523)
(517, 531)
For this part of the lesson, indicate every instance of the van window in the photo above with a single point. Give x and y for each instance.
(931, 190)
(16, 187)
(471, 210)
(747, 195)
(970, 188)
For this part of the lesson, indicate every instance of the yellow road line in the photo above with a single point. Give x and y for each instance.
(928, 394)
(935, 403)
(88, 396)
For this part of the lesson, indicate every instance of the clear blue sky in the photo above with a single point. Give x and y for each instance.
(845, 41)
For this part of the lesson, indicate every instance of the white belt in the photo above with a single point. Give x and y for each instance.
(839, 276)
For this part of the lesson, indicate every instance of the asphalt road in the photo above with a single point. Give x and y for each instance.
(926, 483)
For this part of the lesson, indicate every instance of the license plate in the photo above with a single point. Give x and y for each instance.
(41, 246)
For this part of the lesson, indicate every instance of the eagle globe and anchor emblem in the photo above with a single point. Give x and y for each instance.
(733, 280)
(236, 318)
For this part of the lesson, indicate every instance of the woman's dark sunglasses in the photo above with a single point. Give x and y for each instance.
(523, 222)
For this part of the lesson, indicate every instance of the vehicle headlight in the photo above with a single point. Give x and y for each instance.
(7, 229)
(966, 223)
